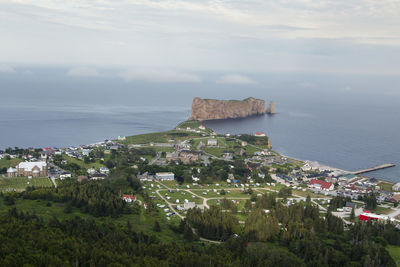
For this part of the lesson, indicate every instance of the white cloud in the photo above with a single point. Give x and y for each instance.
(235, 79)
(83, 71)
(159, 75)
(7, 69)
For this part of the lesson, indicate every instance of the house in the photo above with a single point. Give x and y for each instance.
(396, 187)
(145, 177)
(65, 175)
(85, 152)
(81, 178)
(165, 176)
(227, 155)
(104, 170)
(259, 134)
(34, 169)
(121, 138)
(189, 205)
(98, 176)
(319, 184)
(129, 198)
(244, 143)
(91, 171)
(212, 142)
(394, 198)
(202, 127)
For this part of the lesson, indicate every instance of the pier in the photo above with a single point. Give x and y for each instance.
(380, 167)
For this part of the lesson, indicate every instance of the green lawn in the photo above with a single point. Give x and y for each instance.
(181, 196)
(159, 137)
(189, 123)
(239, 203)
(308, 193)
(82, 164)
(211, 194)
(382, 210)
(20, 183)
(4, 163)
(386, 186)
(395, 253)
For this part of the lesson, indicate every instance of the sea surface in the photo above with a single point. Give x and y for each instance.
(346, 121)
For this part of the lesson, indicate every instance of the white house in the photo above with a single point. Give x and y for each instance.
(104, 170)
(396, 187)
(65, 175)
(91, 171)
(129, 198)
(212, 142)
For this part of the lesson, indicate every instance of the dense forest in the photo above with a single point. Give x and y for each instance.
(316, 240)
(98, 198)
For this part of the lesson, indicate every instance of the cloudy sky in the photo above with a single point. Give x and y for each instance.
(172, 39)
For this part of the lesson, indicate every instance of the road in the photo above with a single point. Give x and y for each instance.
(170, 205)
(154, 160)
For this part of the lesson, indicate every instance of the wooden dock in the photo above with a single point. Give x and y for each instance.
(380, 167)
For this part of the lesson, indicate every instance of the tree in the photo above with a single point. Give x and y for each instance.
(188, 233)
(352, 215)
(157, 227)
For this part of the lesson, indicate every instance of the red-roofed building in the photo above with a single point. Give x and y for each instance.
(259, 134)
(319, 184)
(368, 216)
(129, 198)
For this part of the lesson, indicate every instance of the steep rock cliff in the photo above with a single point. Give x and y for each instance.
(212, 109)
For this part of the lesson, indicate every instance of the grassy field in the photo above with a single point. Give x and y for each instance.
(4, 163)
(82, 164)
(159, 137)
(181, 196)
(382, 210)
(395, 253)
(216, 202)
(230, 193)
(20, 183)
(189, 123)
(386, 186)
(307, 193)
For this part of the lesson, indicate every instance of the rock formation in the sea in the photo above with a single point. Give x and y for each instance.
(212, 109)
(271, 108)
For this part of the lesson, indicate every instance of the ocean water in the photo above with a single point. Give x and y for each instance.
(346, 121)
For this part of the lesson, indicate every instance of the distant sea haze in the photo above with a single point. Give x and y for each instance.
(348, 122)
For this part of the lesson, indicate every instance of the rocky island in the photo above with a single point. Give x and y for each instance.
(212, 109)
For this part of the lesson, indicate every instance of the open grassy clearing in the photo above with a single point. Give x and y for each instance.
(382, 210)
(308, 193)
(181, 196)
(394, 252)
(386, 186)
(159, 137)
(21, 183)
(82, 164)
(209, 193)
(238, 202)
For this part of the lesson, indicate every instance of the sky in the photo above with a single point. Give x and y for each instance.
(166, 40)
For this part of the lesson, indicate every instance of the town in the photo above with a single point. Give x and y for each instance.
(173, 168)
